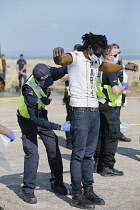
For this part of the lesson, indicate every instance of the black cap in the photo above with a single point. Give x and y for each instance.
(42, 74)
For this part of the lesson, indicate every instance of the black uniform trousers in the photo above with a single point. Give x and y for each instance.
(31, 159)
(108, 135)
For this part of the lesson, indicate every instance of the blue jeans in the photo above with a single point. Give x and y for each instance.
(85, 130)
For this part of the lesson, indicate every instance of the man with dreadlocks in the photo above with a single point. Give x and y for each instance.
(82, 69)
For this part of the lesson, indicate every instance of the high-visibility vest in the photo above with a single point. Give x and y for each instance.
(22, 107)
(105, 93)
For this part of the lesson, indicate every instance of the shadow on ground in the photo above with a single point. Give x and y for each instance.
(14, 182)
(129, 152)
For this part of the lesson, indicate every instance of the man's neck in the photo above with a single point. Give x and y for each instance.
(85, 54)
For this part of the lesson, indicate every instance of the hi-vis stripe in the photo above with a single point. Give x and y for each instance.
(35, 86)
(9, 99)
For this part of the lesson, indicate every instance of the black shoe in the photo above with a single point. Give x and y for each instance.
(90, 195)
(69, 145)
(60, 189)
(29, 198)
(79, 200)
(111, 172)
(123, 138)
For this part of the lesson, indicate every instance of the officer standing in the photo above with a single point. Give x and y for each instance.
(109, 91)
(32, 118)
(21, 69)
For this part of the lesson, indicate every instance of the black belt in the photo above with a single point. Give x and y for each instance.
(93, 109)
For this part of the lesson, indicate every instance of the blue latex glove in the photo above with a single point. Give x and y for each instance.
(11, 135)
(125, 84)
(66, 126)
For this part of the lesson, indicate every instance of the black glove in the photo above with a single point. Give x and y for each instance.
(46, 100)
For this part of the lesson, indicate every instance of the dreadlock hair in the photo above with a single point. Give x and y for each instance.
(94, 41)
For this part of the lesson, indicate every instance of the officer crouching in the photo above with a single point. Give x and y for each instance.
(32, 119)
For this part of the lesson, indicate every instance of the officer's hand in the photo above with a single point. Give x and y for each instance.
(132, 66)
(66, 126)
(10, 135)
(59, 51)
(125, 85)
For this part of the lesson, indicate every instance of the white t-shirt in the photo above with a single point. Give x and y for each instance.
(82, 81)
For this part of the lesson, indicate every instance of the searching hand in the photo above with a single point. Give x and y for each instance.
(66, 126)
(125, 84)
(10, 135)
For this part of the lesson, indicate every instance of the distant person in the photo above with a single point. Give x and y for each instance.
(66, 100)
(21, 69)
(7, 132)
(4, 66)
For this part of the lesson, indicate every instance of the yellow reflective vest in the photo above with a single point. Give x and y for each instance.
(105, 93)
(22, 107)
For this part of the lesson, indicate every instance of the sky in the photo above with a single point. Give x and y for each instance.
(36, 27)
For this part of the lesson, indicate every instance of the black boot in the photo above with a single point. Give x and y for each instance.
(29, 198)
(90, 195)
(60, 189)
(111, 172)
(124, 138)
(79, 200)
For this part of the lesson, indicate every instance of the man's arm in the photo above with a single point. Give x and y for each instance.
(24, 67)
(3, 130)
(58, 73)
(64, 78)
(7, 132)
(65, 59)
(113, 82)
(118, 89)
(110, 68)
(17, 68)
(6, 69)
